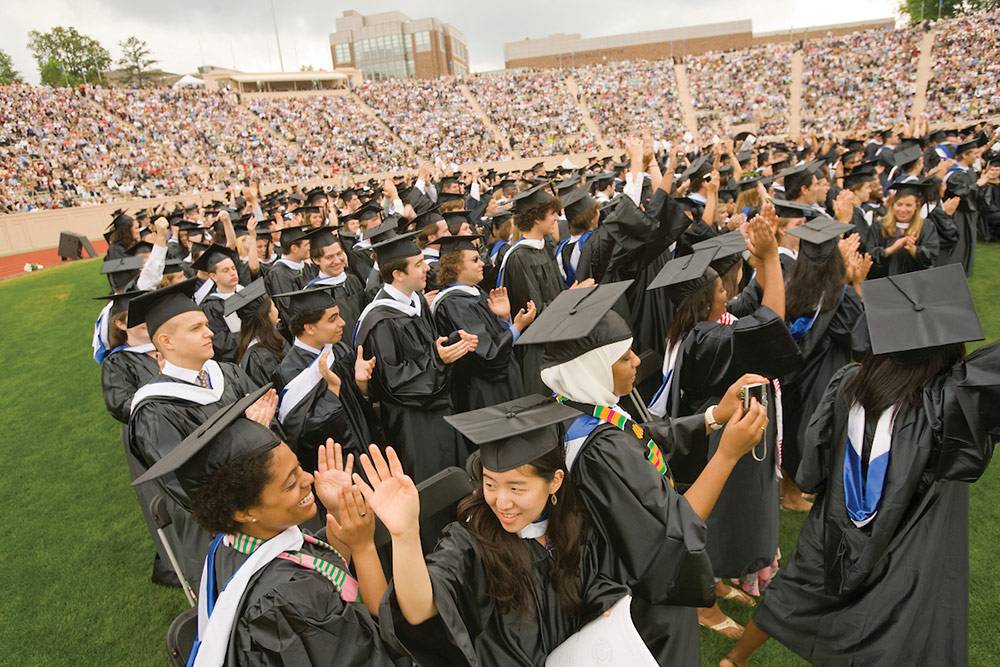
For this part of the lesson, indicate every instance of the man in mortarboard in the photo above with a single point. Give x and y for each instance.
(288, 273)
(191, 386)
(989, 196)
(322, 380)
(411, 376)
(960, 182)
(332, 262)
(582, 215)
(221, 265)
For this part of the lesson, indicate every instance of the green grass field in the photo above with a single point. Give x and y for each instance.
(76, 565)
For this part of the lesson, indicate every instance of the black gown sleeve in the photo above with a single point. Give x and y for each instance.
(303, 622)
(224, 341)
(946, 229)
(521, 284)
(818, 444)
(259, 363)
(964, 414)
(399, 374)
(120, 378)
(493, 352)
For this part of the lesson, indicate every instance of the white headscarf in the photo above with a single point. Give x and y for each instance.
(588, 378)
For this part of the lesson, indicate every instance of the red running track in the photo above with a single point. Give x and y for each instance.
(13, 265)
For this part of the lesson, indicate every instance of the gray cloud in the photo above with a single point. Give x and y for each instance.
(186, 33)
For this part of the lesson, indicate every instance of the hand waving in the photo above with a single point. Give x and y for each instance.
(392, 494)
(333, 474)
(262, 410)
(499, 303)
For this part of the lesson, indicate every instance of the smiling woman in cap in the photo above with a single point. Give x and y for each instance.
(272, 594)
(261, 347)
(889, 452)
(906, 242)
(518, 573)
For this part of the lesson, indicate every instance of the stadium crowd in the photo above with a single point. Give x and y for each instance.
(965, 81)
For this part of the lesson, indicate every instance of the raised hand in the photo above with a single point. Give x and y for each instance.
(333, 474)
(849, 245)
(262, 410)
(499, 303)
(525, 316)
(761, 241)
(392, 495)
(731, 402)
(363, 368)
(951, 205)
(843, 206)
(333, 381)
(451, 353)
(743, 431)
(350, 521)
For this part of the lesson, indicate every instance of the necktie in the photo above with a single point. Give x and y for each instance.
(202, 378)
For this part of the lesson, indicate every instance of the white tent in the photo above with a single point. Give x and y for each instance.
(188, 81)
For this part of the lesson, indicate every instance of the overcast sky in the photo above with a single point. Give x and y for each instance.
(184, 34)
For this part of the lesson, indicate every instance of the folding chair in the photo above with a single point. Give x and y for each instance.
(650, 364)
(180, 637)
(161, 517)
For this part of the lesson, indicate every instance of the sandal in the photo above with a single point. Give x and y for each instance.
(738, 595)
(728, 628)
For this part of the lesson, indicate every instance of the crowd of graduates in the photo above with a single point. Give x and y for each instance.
(630, 368)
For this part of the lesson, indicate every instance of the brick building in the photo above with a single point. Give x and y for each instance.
(391, 46)
(569, 50)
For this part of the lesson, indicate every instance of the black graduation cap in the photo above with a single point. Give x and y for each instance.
(728, 249)
(321, 237)
(698, 167)
(533, 197)
(904, 157)
(398, 247)
(456, 243)
(119, 302)
(172, 266)
(685, 275)
(188, 226)
(797, 176)
(969, 145)
(921, 309)
(790, 209)
(138, 247)
(574, 314)
(122, 265)
(190, 207)
(159, 306)
(567, 183)
(538, 166)
(500, 218)
(307, 300)
(992, 159)
(748, 183)
(247, 300)
(428, 217)
(922, 189)
(214, 254)
(858, 176)
(119, 220)
(819, 237)
(386, 229)
(296, 197)
(444, 197)
(575, 201)
(220, 440)
(290, 235)
(514, 433)
(601, 180)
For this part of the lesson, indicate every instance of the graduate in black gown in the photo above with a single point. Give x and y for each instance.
(824, 311)
(880, 572)
(961, 183)
(490, 374)
(287, 274)
(261, 347)
(517, 574)
(122, 234)
(906, 242)
(411, 376)
(322, 380)
(130, 363)
(275, 594)
(330, 258)
(704, 357)
(220, 263)
(168, 408)
(652, 537)
(529, 270)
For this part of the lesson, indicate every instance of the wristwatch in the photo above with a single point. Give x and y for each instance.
(710, 418)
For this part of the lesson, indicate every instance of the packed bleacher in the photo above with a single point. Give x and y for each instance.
(965, 80)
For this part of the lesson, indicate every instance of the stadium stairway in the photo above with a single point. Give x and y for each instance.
(684, 93)
(924, 72)
(499, 137)
(795, 101)
(584, 106)
(378, 121)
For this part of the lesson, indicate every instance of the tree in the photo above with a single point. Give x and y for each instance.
(135, 60)
(7, 72)
(66, 57)
(928, 10)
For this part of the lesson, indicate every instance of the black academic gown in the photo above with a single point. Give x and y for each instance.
(259, 363)
(350, 297)
(645, 529)
(531, 275)
(279, 279)
(122, 373)
(901, 261)
(491, 374)
(290, 615)
(828, 346)
(410, 384)
(963, 184)
(155, 427)
(947, 233)
(224, 339)
(743, 527)
(469, 630)
(321, 414)
(360, 262)
(895, 591)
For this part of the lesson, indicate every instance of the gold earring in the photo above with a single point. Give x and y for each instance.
(554, 499)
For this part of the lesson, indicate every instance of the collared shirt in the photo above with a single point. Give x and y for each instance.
(185, 374)
(412, 300)
(308, 348)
